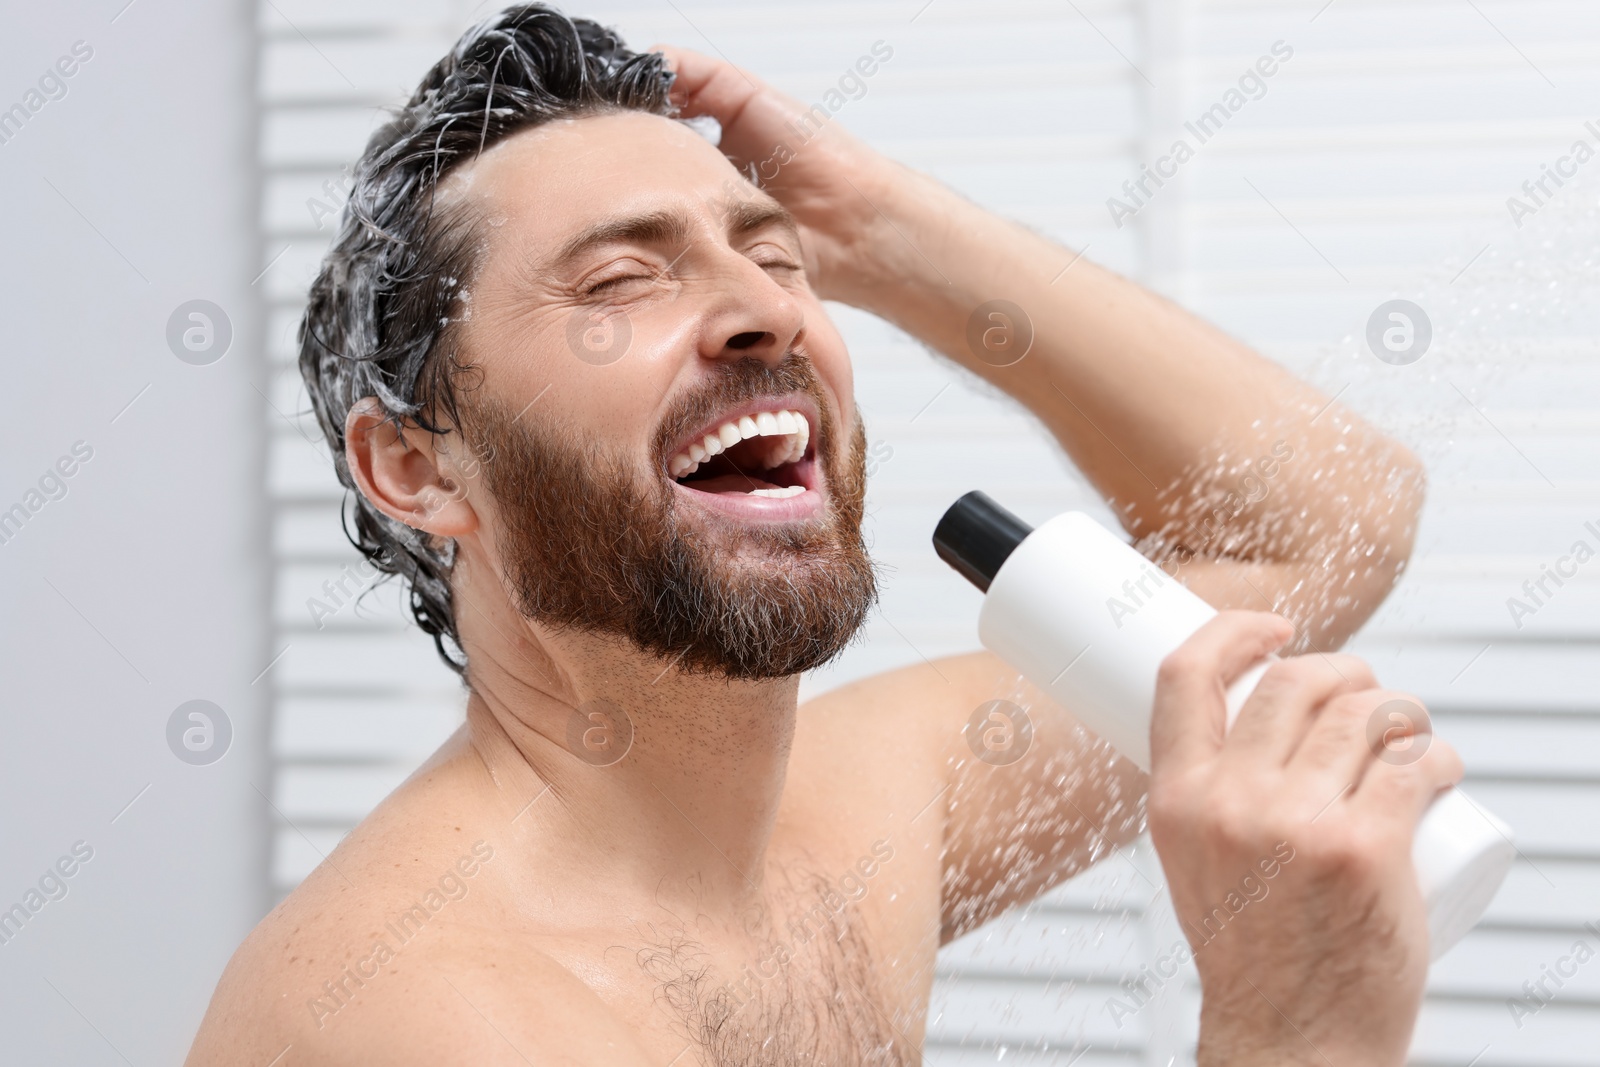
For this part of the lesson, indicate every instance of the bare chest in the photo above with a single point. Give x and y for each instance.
(820, 971)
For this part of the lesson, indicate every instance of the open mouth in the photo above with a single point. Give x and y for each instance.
(761, 454)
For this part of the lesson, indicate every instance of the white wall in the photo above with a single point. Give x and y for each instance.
(144, 586)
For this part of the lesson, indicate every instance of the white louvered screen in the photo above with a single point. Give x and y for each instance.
(1376, 165)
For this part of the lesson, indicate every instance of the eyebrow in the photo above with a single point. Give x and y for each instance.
(672, 227)
(751, 215)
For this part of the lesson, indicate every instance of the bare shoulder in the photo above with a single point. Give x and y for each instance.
(979, 767)
(460, 1000)
(403, 953)
(912, 706)
(892, 734)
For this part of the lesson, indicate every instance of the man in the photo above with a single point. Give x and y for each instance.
(578, 369)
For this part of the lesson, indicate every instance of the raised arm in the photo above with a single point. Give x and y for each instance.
(1250, 486)
(1255, 489)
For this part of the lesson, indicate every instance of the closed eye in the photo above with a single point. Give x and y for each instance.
(617, 276)
(773, 258)
(616, 282)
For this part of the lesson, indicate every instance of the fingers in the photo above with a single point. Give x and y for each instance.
(1347, 737)
(1408, 788)
(1189, 717)
(705, 85)
(1290, 701)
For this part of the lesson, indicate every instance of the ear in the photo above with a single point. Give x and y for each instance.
(403, 475)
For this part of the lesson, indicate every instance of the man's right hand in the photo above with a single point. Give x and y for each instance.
(830, 182)
(1286, 843)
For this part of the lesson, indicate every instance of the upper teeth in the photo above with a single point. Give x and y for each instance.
(790, 424)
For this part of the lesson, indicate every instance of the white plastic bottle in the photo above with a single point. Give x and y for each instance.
(1088, 619)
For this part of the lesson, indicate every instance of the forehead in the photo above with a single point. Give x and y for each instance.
(555, 179)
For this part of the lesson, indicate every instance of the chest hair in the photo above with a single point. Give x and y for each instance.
(811, 996)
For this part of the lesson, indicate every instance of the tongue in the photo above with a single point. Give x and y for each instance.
(729, 483)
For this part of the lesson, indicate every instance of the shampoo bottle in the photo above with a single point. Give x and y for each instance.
(1088, 619)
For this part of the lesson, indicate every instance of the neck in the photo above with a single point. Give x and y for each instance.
(682, 813)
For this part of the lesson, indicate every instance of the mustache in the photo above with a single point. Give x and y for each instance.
(739, 381)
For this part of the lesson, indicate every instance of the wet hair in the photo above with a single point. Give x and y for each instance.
(382, 314)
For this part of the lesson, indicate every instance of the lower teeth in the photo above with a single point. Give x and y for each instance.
(785, 491)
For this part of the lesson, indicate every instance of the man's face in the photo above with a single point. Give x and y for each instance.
(662, 408)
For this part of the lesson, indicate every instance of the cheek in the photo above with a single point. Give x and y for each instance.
(832, 361)
(589, 374)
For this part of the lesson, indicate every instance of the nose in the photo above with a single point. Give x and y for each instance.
(751, 315)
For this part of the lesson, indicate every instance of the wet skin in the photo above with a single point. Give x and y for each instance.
(696, 853)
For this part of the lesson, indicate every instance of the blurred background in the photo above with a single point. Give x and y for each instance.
(169, 529)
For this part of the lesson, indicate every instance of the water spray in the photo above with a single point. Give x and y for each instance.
(1088, 619)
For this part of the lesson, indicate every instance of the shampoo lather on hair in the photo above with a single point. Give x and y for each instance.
(1088, 619)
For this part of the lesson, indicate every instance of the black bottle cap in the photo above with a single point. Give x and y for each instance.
(976, 536)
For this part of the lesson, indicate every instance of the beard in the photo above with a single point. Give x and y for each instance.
(592, 543)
